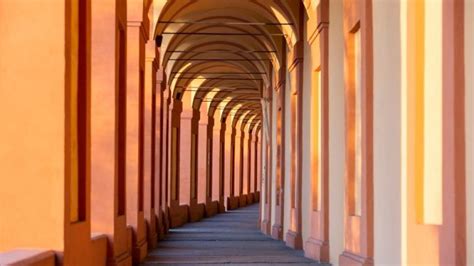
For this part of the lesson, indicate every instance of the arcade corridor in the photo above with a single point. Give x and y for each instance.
(308, 131)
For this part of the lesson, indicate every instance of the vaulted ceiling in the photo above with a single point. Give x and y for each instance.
(220, 55)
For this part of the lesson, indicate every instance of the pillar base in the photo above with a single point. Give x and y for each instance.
(152, 240)
(165, 220)
(317, 250)
(212, 208)
(151, 233)
(294, 240)
(232, 203)
(124, 259)
(277, 232)
(159, 225)
(178, 216)
(196, 212)
(242, 200)
(139, 251)
(257, 196)
(250, 198)
(221, 207)
(265, 227)
(347, 258)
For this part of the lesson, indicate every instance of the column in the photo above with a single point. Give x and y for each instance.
(230, 166)
(108, 106)
(158, 158)
(149, 165)
(217, 164)
(212, 179)
(241, 166)
(237, 164)
(224, 166)
(358, 207)
(180, 143)
(336, 122)
(317, 245)
(134, 142)
(250, 195)
(253, 164)
(266, 184)
(277, 228)
(202, 151)
(196, 208)
(293, 236)
(258, 163)
(165, 177)
(184, 157)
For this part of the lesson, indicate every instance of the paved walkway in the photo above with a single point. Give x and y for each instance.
(229, 238)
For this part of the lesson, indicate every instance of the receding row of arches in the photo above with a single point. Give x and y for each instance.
(348, 121)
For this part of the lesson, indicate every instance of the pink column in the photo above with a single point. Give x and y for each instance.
(203, 186)
(166, 117)
(185, 158)
(158, 160)
(248, 175)
(224, 166)
(217, 164)
(267, 151)
(196, 209)
(212, 180)
(277, 228)
(230, 168)
(149, 142)
(244, 168)
(108, 100)
(253, 165)
(179, 164)
(258, 170)
(293, 236)
(238, 164)
(135, 94)
(317, 245)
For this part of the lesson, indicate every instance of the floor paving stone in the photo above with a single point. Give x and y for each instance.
(231, 238)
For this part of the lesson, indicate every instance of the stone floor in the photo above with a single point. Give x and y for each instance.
(229, 238)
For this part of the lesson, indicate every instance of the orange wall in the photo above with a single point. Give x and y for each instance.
(32, 114)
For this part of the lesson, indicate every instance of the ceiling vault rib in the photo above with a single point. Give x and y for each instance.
(218, 73)
(221, 51)
(256, 23)
(218, 59)
(191, 78)
(225, 89)
(222, 33)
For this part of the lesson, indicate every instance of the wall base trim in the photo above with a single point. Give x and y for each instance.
(277, 232)
(294, 240)
(178, 216)
(265, 227)
(348, 258)
(317, 249)
(139, 251)
(196, 212)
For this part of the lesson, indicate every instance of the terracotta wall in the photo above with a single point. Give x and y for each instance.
(25, 102)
